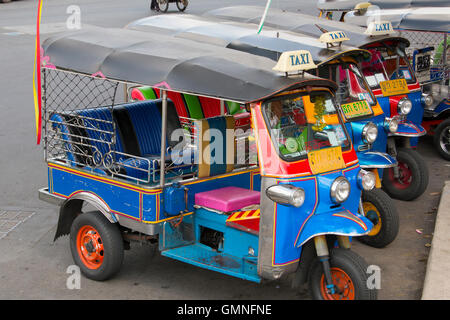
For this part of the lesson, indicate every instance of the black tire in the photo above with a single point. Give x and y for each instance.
(5, 1)
(182, 4)
(380, 209)
(441, 139)
(416, 168)
(109, 241)
(354, 267)
(163, 5)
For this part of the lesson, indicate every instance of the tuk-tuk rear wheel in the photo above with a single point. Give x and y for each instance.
(182, 5)
(163, 5)
(413, 176)
(349, 274)
(96, 245)
(442, 139)
(381, 211)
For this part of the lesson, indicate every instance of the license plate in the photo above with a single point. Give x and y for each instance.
(356, 109)
(394, 87)
(325, 160)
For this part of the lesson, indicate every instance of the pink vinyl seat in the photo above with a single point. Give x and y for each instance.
(227, 199)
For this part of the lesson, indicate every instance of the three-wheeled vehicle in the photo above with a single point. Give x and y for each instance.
(363, 115)
(400, 98)
(427, 30)
(151, 177)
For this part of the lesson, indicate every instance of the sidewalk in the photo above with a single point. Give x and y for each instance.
(437, 282)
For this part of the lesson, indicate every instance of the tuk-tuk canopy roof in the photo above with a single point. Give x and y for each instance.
(269, 43)
(432, 19)
(347, 5)
(300, 23)
(176, 64)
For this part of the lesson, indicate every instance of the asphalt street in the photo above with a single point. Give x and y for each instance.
(33, 266)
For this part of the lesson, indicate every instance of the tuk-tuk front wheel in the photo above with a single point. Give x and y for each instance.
(96, 245)
(349, 275)
(442, 139)
(380, 209)
(411, 178)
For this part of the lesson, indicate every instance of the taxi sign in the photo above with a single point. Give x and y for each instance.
(356, 109)
(325, 160)
(333, 37)
(394, 87)
(362, 5)
(379, 28)
(291, 61)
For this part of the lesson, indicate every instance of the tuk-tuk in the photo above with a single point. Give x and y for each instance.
(427, 30)
(334, 61)
(149, 178)
(409, 179)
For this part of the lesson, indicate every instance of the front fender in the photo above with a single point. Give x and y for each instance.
(409, 129)
(342, 223)
(375, 159)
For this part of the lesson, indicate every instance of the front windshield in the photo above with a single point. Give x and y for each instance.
(385, 65)
(299, 124)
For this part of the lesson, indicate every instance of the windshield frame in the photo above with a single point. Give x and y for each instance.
(283, 96)
(399, 54)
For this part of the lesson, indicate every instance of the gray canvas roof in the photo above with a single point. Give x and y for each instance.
(243, 37)
(176, 64)
(299, 23)
(434, 19)
(346, 5)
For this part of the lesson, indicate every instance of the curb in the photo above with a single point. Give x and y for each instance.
(437, 285)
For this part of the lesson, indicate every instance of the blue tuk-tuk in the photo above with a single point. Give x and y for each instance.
(364, 118)
(409, 179)
(427, 30)
(150, 174)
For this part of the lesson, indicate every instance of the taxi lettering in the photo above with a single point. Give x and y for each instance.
(382, 27)
(302, 58)
(337, 35)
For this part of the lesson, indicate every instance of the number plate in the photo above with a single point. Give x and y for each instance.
(325, 160)
(356, 109)
(394, 87)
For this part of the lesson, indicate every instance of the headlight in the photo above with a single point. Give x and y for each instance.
(404, 106)
(340, 190)
(427, 99)
(391, 124)
(369, 133)
(286, 194)
(366, 180)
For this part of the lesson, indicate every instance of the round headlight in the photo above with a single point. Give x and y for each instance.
(369, 133)
(366, 180)
(391, 124)
(286, 194)
(340, 190)
(427, 99)
(404, 106)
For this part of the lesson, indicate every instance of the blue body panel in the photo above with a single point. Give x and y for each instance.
(368, 159)
(294, 226)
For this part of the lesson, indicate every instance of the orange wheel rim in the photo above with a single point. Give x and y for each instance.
(90, 247)
(345, 290)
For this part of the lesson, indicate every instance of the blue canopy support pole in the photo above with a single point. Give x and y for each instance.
(163, 137)
(261, 23)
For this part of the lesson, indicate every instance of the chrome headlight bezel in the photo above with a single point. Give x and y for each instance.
(286, 194)
(369, 133)
(391, 124)
(404, 106)
(366, 180)
(427, 100)
(338, 193)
